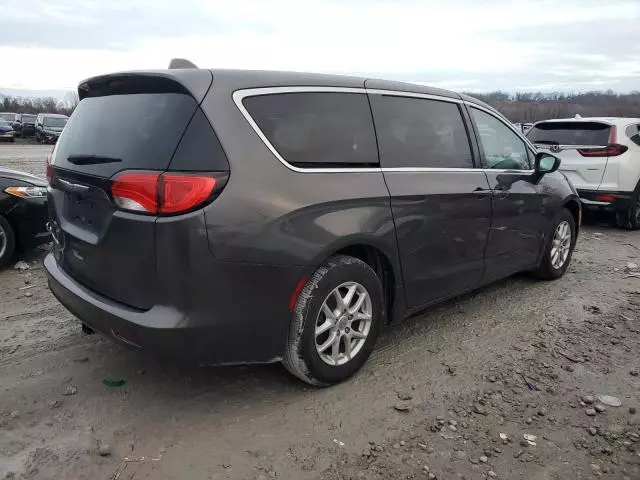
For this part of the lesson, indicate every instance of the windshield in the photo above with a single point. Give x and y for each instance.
(7, 116)
(570, 133)
(28, 119)
(55, 122)
(3, 123)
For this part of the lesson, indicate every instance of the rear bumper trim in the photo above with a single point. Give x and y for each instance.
(589, 199)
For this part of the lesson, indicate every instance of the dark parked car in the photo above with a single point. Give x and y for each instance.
(6, 131)
(23, 212)
(24, 124)
(238, 216)
(49, 126)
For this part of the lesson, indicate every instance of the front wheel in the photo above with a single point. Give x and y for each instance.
(335, 323)
(629, 218)
(7, 242)
(559, 247)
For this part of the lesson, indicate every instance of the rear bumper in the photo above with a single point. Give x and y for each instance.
(250, 326)
(605, 200)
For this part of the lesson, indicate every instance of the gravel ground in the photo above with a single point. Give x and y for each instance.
(449, 394)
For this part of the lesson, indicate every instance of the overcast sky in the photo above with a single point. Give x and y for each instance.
(543, 45)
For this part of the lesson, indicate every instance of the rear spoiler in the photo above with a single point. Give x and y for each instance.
(186, 80)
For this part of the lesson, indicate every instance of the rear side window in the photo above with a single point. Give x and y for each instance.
(420, 133)
(570, 133)
(119, 132)
(633, 132)
(317, 129)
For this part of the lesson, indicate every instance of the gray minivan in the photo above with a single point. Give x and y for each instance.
(245, 216)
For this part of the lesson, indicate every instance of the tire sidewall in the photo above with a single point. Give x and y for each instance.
(11, 242)
(564, 215)
(339, 270)
(628, 219)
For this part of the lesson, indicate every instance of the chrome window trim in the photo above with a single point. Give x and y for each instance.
(508, 124)
(502, 120)
(426, 96)
(239, 95)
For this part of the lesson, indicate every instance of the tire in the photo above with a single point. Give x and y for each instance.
(629, 219)
(547, 269)
(302, 357)
(7, 242)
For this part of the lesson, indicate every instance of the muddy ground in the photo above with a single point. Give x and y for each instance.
(448, 394)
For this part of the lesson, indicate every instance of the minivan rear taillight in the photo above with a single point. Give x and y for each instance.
(164, 193)
(612, 150)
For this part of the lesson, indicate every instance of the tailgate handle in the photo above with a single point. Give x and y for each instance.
(72, 187)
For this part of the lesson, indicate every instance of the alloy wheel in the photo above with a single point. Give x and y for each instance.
(343, 323)
(561, 245)
(3, 241)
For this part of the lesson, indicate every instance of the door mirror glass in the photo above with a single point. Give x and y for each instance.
(546, 163)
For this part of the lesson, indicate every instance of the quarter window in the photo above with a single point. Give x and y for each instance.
(415, 132)
(317, 129)
(503, 149)
(633, 132)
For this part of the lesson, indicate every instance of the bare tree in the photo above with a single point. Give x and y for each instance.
(71, 100)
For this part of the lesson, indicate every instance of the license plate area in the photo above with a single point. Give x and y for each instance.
(82, 212)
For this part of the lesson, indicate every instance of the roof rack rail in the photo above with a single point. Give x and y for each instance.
(177, 63)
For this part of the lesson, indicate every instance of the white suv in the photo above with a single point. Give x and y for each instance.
(601, 157)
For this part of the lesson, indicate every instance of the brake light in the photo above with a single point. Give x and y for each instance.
(612, 150)
(179, 193)
(161, 193)
(136, 191)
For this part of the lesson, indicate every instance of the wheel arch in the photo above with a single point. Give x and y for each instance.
(379, 257)
(573, 205)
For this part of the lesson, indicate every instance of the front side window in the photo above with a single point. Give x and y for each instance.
(420, 133)
(633, 132)
(503, 149)
(317, 129)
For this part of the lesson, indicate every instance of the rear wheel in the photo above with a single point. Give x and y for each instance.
(335, 323)
(629, 218)
(559, 248)
(7, 242)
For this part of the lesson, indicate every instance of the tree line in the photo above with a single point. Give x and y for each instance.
(532, 107)
(39, 104)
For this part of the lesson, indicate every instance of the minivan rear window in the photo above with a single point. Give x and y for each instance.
(120, 132)
(570, 133)
(317, 129)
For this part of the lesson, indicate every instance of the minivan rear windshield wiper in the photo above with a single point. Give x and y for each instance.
(91, 159)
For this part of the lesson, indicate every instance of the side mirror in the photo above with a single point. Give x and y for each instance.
(546, 163)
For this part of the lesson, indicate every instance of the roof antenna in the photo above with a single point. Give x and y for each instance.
(177, 63)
